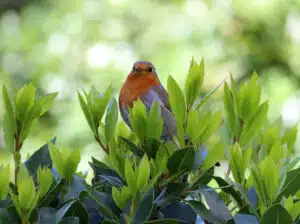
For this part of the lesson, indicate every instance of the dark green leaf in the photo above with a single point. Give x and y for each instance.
(216, 204)
(109, 222)
(277, 214)
(181, 160)
(180, 211)
(226, 187)
(144, 208)
(203, 212)
(70, 220)
(291, 185)
(39, 158)
(245, 219)
(165, 221)
(9, 216)
(136, 150)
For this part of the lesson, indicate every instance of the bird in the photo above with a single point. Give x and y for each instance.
(143, 83)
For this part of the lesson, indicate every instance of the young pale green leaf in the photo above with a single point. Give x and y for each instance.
(289, 138)
(207, 96)
(138, 121)
(44, 178)
(230, 110)
(98, 103)
(111, 120)
(295, 210)
(45, 102)
(25, 99)
(71, 163)
(121, 197)
(194, 82)
(235, 95)
(236, 163)
(87, 113)
(4, 181)
(154, 121)
(277, 152)
(254, 93)
(259, 185)
(196, 124)
(213, 156)
(178, 107)
(56, 158)
(271, 175)
(253, 125)
(213, 123)
(8, 133)
(143, 173)
(27, 194)
(131, 177)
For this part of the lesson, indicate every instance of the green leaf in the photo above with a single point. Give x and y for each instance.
(71, 164)
(197, 124)
(277, 214)
(291, 184)
(178, 107)
(253, 125)
(277, 152)
(212, 125)
(259, 185)
(203, 212)
(164, 221)
(10, 124)
(144, 208)
(230, 110)
(24, 101)
(213, 156)
(289, 138)
(56, 158)
(87, 113)
(194, 82)
(111, 120)
(44, 178)
(138, 119)
(181, 160)
(27, 194)
(4, 181)
(98, 104)
(271, 175)
(143, 173)
(130, 177)
(45, 102)
(121, 197)
(155, 121)
(208, 95)
(8, 133)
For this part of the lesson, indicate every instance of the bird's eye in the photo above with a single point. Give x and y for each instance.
(133, 68)
(150, 69)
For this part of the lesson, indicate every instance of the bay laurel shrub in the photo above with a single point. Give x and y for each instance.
(145, 180)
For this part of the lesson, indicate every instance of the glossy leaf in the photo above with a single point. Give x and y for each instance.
(213, 156)
(154, 121)
(194, 81)
(277, 214)
(143, 173)
(111, 119)
(180, 160)
(253, 125)
(178, 107)
(144, 208)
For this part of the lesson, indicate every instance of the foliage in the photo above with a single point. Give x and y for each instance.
(147, 180)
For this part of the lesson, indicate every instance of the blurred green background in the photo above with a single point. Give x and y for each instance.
(67, 45)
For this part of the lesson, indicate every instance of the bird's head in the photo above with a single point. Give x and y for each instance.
(143, 68)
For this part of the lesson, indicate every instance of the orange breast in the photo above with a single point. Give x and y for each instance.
(135, 86)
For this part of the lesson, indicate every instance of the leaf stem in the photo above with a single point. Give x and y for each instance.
(104, 147)
(17, 158)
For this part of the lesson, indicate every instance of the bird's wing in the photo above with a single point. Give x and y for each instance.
(163, 95)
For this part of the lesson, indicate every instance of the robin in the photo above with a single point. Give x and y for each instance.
(143, 82)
